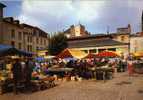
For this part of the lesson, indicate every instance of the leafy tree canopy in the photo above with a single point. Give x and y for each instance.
(57, 43)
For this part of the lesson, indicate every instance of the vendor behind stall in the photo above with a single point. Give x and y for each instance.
(2, 64)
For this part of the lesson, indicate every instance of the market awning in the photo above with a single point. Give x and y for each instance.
(138, 54)
(71, 53)
(6, 50)
(107, 54)
(25, 53)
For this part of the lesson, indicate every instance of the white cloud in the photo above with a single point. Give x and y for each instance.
(51, 13)
(56, 15)
(87, 10)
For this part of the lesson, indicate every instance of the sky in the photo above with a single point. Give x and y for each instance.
(59, 15)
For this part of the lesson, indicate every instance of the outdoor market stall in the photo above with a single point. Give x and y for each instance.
(103, 69)
(138, 67)
(90, 56)
(138, 63)
(6, 50)
(71, 53)
(138, 54)
(7, 56)
(107, 54)
(61, 72)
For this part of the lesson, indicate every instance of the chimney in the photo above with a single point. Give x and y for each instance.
(1, 10)
(129, 28)
(16, 22)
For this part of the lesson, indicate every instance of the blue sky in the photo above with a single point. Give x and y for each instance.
(58, 15)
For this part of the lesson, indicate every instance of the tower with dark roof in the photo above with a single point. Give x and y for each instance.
(1, 9)
(1, 17)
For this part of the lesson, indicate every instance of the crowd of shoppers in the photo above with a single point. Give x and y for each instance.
(23, 70)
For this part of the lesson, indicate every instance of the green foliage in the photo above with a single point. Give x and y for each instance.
(57, 43)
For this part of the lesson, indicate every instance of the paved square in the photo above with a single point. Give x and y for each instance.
(120, 88)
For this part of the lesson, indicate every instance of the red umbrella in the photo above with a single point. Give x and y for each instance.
(107, 54)
(90, 55)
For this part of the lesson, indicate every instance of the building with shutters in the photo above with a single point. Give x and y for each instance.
(20, 35)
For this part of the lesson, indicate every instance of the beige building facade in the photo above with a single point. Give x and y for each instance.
(96, 44)
(121, 37)
(136, 44)
(22, 36)
(76, 31)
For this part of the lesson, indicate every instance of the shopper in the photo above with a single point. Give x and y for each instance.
(17, 74)
(29, 68)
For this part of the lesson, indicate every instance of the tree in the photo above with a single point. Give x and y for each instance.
(57, 43)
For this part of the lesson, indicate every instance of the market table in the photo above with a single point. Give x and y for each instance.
(104, 73)
(6, 81)
(138, 67)
(59, 71)
(6, 85)
(43, 83)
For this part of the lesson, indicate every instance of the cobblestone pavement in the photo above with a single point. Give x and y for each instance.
(120, 88)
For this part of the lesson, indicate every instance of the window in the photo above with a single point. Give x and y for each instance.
(29, 48)
(12, 33)
(135, 45)
(29, 39)
(20, 36)
(86, 51)
(92, 51)
(37, 48)
(122, 38)
(44, 42)
(101, 50)
(13, 43)
(112, 49)
(41, 41)
(37, 40)
(19, 46)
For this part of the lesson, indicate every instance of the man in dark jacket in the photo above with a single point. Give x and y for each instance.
(17, 74)
(28, 68)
